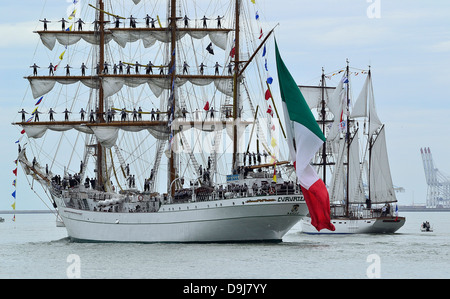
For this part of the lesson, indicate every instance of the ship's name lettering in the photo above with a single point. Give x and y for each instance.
(292, 198)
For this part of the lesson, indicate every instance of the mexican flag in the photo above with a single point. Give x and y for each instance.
(304, 139)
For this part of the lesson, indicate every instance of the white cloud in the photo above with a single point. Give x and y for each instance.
(441, 47)
(17, 34)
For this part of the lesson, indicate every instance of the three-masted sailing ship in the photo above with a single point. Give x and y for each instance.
(354, 158)
(169, 135)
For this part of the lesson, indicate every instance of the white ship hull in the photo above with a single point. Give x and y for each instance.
(251, 219)
(379, 225)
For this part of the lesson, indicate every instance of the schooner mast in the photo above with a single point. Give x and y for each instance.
(347, 140)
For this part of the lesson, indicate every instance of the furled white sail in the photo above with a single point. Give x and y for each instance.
(108, 137)
(68, 38)
(381, 186)
(40, 87)
(112, 84)
(124, 36)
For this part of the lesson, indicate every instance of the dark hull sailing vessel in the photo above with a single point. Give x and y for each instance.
(362, 194)
(164, 135)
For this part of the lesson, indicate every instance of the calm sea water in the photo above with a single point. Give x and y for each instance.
(33, 247)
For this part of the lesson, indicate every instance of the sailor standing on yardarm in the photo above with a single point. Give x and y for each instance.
(35, 67)
(45, 21)
(51, 69)
(80, 24)
(63, 24)
(66, 114)
(82, 112)
(83, 69)
(50, 112)
(23, 114)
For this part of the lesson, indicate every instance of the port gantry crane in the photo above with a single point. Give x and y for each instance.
(438, 192)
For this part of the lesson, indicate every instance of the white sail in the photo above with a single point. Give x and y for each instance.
(106, 136)
(68, 38)
(360, 108)
(356, 189)
(336, 105)
(112, 84)
(42, 86)
(313, 95)
(125, 35)
(381, 187)
(365, 106)
(336, 188)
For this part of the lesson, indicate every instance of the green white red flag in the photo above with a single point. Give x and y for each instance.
(304, 138)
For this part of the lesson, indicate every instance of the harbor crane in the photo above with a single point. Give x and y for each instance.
(438, 192)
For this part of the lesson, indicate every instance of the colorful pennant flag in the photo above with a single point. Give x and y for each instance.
(270, 111)
(206, 106)
(62, 55)
(273, 142)
(39, 101)
(233, 52)
(274, 173)
(210, 49)
(268, 94)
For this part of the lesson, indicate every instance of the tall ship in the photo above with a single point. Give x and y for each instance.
(154, 122)
(354, 161)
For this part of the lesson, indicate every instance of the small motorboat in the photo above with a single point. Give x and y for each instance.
(426, 227)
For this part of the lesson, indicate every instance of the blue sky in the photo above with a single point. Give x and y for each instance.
(406, 42)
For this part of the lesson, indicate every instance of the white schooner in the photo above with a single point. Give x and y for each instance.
(354, 158)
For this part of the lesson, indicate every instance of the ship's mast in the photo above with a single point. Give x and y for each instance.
(370, 141)
(236, 104)
(324, 146)
(347, 140)
(100, 92)
(172, 71)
